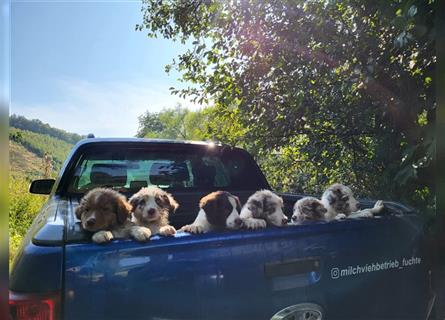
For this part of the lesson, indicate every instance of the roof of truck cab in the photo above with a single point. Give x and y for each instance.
(146, 140)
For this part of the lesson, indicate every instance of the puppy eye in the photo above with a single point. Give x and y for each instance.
(142, 203)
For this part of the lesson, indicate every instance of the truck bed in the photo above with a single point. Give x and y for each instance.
(253, 275)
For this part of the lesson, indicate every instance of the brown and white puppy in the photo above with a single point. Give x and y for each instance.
(262, 208)
(340, 203)
(308, 208)
(218, 210)
(106, 213)
(151, 207)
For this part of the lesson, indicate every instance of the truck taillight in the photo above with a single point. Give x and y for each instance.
(33, 306)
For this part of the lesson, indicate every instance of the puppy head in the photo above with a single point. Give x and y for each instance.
(222, 209)
(267, 205)
(101, 209)
(152, 205)
(308, 208)
(340, 198)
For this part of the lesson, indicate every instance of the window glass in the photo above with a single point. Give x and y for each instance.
(132, 169)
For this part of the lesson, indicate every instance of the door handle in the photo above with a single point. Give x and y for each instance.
(292, 267)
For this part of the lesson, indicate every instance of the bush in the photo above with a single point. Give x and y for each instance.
(23, 207)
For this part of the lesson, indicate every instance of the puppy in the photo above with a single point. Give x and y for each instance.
(262, 208)
(340, 203)
(218, 210)
(106, 213)
(308, 208)
(151, 207)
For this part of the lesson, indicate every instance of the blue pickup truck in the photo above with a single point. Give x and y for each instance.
(374, 268)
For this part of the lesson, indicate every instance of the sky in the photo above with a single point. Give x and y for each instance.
(82, 67)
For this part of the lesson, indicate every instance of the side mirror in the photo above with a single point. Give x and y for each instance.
(41, 186)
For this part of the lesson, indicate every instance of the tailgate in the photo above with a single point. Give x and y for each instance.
(253, 275)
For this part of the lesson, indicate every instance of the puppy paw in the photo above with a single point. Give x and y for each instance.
(193, 228)
(378, 206)
(254, 224)
(102, 236)
(167, 231)
(141, 233)
(340, 216)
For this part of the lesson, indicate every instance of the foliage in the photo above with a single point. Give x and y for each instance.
(173, 123)
(23, 207)
(39, 144)
(149, 125)
(335, 90)
(38, 126)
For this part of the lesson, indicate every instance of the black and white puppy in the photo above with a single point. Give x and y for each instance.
(218, 210)
(151, 207)
(308, 209)
(340, 203)
(262, 208)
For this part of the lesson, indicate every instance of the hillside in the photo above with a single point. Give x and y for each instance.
(38, 126)
(23, 162)
(31, 141)
(39, 144)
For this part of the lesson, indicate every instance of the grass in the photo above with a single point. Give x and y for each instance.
(23, 207)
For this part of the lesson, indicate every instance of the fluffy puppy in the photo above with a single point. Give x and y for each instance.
(106, 213)
(308, 208)
(151, 207)
(218, 210)
(340, 203)
(262, 208)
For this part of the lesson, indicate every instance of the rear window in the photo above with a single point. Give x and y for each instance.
(173, 168)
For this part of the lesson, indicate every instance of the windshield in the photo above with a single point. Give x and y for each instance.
(129, 169)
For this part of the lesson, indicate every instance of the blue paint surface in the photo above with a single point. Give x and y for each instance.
(222, 275)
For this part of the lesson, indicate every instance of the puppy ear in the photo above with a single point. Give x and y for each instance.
(80, 209)
(238, 204)
(257, 204)
(172, 202)
(123, 210)
(331, 198)
(208, 205)
(134, 201)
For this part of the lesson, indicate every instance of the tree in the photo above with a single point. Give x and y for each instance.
(173, 123)
(149, 124)
(345, 87)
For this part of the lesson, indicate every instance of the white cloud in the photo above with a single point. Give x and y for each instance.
(105, 109)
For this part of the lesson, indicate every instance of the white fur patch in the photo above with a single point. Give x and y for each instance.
(200, 225)
(234, 215)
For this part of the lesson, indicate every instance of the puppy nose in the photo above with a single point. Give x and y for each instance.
(238, 221)
(294, 218)
(284, 221)
(359, 206)
(151, 211)
(91, 222)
